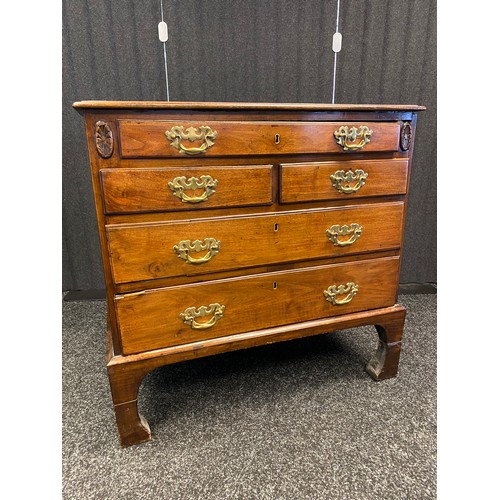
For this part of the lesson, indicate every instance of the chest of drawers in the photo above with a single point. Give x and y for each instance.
(225, 226)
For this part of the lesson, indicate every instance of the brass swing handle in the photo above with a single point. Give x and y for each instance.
(205, 182)
(177, 134)
(184, 248)
(346, 136)
(351, 289)
(354, 231)
(190, 315)
(341, 180)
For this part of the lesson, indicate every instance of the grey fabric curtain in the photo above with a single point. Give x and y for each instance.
(236, 50)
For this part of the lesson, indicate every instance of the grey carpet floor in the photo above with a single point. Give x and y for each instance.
(293, 420)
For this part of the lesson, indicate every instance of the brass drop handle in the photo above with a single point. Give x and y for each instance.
(341, 180)
(354, 231)
(184, 248)
(190, 315)
(346, 137)
(205, 182)
(177, 133)
(331, 293)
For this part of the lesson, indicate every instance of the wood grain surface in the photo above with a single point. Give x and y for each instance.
(127, 372)
(269, 215)
(150, 320)
(266, 106)
(146, 138)
(385, 177)
(146, 251)
(128, 190)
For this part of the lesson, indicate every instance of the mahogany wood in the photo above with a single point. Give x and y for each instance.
(150, 320)
(385, 177)
(146, 251)
(95, 163)
(270, 278)
(126, 373)
(143, 139)
(275, 207)
(385, 363)
(183, 161)
(146, 190)
(227, 106)
(133, 427)
(137, 286)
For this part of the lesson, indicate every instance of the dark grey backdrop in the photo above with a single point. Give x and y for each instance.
(242, 50)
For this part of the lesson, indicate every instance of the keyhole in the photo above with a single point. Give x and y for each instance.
(275, 285)
(277, 139)
(276, 227)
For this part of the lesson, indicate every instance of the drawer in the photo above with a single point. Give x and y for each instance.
(165, 138)
(154, 250)
(177, 315)
(342, 179)
(157, 189)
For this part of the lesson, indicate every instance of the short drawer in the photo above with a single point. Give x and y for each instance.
(165, 138)
(156, 189)
(342, 179)
(188, 313)
(155, 250)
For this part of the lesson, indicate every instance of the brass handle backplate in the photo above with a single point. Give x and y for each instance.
(354, 231)
(184, 249)
(332, 293)
(205, 182)
(346, 137)
(190, 315)
(177, 133)
(342, 180)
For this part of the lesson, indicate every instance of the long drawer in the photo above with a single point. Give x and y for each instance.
(155, 189)
(181, 314)
(342, 179)
(165, 138)
(154, 250)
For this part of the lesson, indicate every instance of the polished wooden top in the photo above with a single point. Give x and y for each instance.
(244, 106)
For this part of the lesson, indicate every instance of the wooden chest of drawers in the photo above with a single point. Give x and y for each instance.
(230, 225)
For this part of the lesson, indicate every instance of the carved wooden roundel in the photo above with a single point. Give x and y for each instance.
(405, 136)
(103, 139)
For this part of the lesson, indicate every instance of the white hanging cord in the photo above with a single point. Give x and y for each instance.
(336, 47)
(163, 35)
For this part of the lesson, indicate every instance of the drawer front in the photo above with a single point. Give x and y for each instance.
(148, 251)
(342, 179)
(157, 189)
(163, 138)
(177, 315)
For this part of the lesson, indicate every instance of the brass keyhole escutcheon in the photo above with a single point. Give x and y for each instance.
(275, 285)
(277, 139)
(276, 227)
